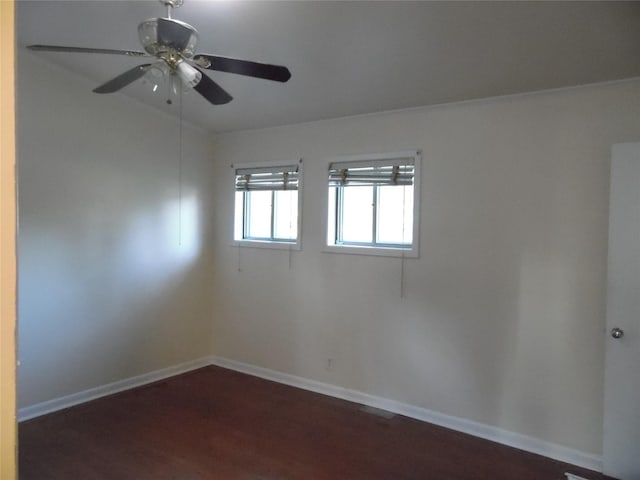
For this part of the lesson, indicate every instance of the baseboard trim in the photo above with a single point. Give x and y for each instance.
(49, 406)
(488, 432)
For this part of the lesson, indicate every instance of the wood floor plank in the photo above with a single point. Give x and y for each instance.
(215, 423)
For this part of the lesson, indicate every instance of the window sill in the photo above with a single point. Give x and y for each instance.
(267, 244)
(374, 251)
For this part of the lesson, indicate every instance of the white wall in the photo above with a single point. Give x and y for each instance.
(107, 290)
(503, 316)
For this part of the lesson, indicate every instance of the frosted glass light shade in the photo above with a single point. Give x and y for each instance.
(188, 74)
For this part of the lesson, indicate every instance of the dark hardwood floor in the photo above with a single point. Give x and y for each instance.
(214, 423)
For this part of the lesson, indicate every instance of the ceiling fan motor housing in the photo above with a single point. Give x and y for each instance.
(167, 35)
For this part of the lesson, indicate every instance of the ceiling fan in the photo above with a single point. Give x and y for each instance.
(173, 43)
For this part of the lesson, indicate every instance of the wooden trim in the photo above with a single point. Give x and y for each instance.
(7, 243)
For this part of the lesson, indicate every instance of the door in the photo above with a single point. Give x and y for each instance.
(621, 446)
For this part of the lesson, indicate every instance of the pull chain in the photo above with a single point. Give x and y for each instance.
(180, 170)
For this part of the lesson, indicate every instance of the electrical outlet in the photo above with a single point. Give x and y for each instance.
(329, 366)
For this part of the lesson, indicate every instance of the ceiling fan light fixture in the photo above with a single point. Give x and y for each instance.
(189, 75)
(156, 75)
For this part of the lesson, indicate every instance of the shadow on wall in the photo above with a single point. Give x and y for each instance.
(163, 240)
(112, 281)
(102, 304)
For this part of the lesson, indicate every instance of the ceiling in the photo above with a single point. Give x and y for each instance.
(353, 57)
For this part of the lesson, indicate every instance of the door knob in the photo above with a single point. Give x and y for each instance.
(617, 332)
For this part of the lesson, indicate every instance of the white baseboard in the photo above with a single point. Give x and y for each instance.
(511, 439)
(55, 404)
(571, 476)
(488, 432)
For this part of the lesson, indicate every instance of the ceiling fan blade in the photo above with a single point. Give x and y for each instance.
(210, 90)
(123, 79)
(276, 73)
(57, 48)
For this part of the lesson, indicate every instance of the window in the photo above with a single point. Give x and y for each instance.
(267, 204)
(372, 205)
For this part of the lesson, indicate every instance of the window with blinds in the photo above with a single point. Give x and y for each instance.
(372, 204)
(400, 172)
(267, 204)
(267, 178)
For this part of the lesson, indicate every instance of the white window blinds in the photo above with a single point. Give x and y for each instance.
(398, 171)
(267, 178)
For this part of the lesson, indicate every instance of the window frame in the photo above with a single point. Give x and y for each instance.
(373, 248)
(274, 243)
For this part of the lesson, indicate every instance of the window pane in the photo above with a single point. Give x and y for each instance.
(258, 214)
(238, 216)
(286, 214)
(357, 214)
(331, 217)
(395, 214)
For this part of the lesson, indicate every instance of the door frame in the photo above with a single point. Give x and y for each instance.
(8, 426)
